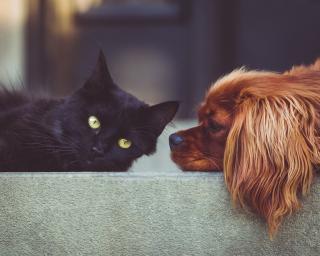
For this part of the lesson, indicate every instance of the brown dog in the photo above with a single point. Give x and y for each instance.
(262, 129)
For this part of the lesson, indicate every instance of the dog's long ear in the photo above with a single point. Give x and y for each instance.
(270, 154)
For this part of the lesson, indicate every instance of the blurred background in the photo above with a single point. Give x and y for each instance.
(156, 49)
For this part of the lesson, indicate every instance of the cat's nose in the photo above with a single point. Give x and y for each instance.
(175, 140)
(97, 151)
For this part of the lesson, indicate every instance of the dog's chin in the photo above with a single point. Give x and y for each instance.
(194, 164)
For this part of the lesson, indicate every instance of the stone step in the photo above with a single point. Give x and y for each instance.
(149, 213)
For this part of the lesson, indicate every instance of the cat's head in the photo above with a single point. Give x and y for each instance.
(107, 127)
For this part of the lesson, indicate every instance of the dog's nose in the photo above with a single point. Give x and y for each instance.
(175, 140)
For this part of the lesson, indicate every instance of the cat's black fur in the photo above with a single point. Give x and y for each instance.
(41, 134)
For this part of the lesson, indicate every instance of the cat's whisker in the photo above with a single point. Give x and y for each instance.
(144, 132)
(50, 147)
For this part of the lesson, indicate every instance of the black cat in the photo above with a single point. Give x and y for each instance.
(98, 128)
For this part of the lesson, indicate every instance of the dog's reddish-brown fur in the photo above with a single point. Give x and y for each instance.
(261, 129)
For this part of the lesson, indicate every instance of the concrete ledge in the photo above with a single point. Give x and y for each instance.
(140, 214)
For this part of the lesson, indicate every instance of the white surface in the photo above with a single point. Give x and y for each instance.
(160, 161)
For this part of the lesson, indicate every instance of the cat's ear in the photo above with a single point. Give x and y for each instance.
(100, 78)
(161, 114)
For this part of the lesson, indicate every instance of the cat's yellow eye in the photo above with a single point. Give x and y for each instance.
(124, 143)
(94, 122)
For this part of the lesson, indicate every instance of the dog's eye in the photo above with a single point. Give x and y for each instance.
(214, 127)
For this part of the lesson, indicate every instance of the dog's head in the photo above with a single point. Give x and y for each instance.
(262, 130)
